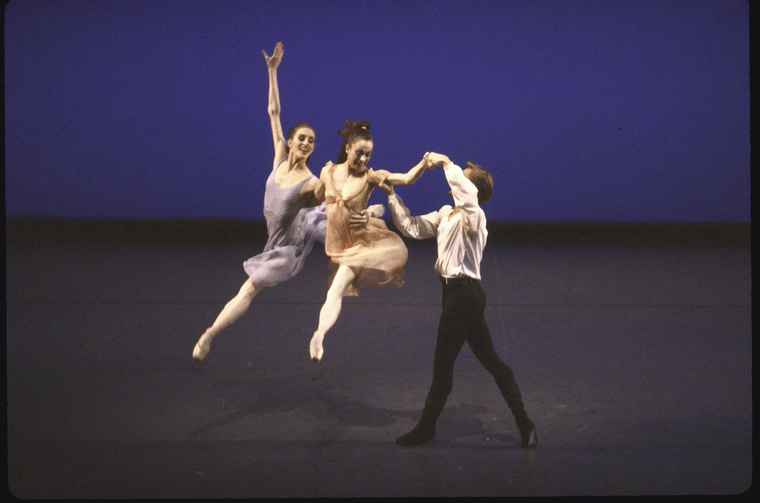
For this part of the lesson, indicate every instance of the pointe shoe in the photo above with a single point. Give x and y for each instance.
(201, 350)
(315, 347)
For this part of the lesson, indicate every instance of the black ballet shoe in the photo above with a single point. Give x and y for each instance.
(528, 434)
(418, 435)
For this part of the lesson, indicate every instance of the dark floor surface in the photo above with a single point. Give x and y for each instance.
(634, 360)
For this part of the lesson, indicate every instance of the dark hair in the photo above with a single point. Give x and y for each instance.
(482, 180)
(292, 133)
(354, 131)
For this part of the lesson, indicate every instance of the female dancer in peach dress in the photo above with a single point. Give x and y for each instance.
(362, 256)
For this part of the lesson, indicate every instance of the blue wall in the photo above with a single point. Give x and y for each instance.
(583, 110)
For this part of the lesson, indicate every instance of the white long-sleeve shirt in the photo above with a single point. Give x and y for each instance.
(460, 231)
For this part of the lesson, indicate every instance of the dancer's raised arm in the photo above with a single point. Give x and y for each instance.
(273, 107)
(292, 225)
(407, 178)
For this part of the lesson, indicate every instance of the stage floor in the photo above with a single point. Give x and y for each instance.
(635, 362)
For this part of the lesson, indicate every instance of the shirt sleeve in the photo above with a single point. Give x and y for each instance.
(418, 227)
(465, 196)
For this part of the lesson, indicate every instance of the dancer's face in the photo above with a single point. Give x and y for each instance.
(358, 155)
(302, 142)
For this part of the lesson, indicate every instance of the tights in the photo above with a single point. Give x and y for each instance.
(463, 320)
(233, 310)
(330, 311)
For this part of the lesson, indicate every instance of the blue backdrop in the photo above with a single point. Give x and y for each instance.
(633, 110)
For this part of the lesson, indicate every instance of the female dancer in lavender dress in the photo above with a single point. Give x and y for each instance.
(293, 210)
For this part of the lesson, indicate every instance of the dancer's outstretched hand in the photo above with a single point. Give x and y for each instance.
(273, 61)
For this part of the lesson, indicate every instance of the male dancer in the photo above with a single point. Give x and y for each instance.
(461, 233)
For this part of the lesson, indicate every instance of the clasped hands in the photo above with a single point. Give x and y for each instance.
(359, 220)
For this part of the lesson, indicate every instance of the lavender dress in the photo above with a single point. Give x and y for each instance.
(292, 231)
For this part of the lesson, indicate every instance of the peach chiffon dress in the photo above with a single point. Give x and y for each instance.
(378, 253)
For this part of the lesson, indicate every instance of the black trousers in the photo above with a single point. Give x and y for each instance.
(463, 319)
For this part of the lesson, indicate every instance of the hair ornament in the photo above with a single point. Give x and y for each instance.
(351, 126)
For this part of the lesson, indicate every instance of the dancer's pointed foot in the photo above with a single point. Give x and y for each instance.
(315, 346)
(202, 347)
(532, 439)
(528, 434)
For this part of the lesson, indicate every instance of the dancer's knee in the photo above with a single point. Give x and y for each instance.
(497, 367)
(248, 290)
(342, 280)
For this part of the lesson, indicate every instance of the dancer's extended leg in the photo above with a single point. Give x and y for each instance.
(231, 312)
(330, 311)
